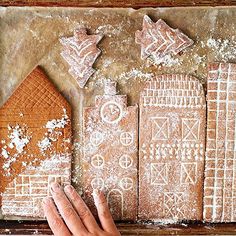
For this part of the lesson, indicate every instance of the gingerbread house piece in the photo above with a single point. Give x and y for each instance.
(109, 163)
(35, 145)
(171, 149)
(220, 169)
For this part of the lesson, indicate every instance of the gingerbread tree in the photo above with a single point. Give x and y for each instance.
(159, 40)
(80, 52)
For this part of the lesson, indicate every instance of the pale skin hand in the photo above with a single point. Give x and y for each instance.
(76, 218)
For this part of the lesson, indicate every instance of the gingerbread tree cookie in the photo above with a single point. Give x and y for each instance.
(159, 40)
(80, 52)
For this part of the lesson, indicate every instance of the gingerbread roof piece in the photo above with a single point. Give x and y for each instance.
(220, 165)
(35, 145)
(35, 92)
(171, 149)
(80, 52)
(159, 40)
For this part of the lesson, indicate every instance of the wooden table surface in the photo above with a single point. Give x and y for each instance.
(42, 228)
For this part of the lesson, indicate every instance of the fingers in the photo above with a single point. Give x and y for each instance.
(67, 211)
(54, 220)
(104, 214)
(82, 209)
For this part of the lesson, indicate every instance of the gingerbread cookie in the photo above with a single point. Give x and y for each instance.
(109, 162)
(35, 145)
(220, 185)
(159, 40)
(80, 52)
(171, 149)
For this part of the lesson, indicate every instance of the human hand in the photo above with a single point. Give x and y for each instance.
(77, 219)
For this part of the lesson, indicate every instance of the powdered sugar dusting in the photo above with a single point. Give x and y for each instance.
(17, 139)
(15, 147)
(52, 133)
(225, 49)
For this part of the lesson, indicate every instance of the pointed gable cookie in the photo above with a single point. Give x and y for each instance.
(35, 146)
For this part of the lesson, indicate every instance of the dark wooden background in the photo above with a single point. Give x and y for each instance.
(118, 3)
(41, 227)
(37, 228)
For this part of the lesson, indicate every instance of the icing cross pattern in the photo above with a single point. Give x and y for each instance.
(97, 183)
(126, 138)
(96, 138)
(125, 161)
(126, 183)
(97, 161)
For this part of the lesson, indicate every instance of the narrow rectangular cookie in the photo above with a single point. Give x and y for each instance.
(220, 185)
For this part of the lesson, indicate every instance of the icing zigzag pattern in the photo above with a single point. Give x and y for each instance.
(80, 52)
(159, 40)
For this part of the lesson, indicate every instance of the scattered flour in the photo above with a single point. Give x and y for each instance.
(12, 150)
(167, 61)
(59, 123)
(225, 49)
(44, 144)
(109, 30)
(18, 139)
(199, 59)
(135, 73)
(52, 133)
(5, 153)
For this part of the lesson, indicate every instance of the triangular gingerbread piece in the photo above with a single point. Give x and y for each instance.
(35, 92)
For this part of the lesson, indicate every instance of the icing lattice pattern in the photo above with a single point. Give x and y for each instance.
(174, 91)
(220, 185)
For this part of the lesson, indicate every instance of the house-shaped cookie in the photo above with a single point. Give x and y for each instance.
(171, 149)
(35, 145)
(109, 162)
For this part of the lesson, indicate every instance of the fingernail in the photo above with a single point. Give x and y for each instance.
(55, 187)
(96, 191)
(47, 201)
(96, 196)
(68, 189)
